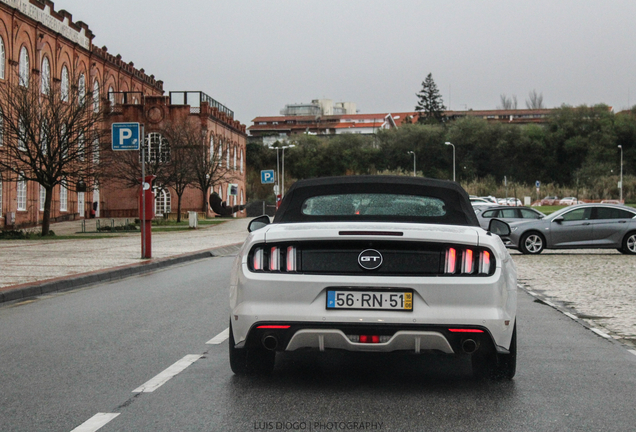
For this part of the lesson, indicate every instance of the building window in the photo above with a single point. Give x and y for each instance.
(157, 148)
(0, 196)
(162, 201)
(63, 196)
(211, 148)
(46, 76)
(63, 140)
(21, 135)
(24, 67)
(95, 96)
(234, 158)
(81, 90)
(96, 150)
(220, 153)
(64, 84)
(241, 161)
(242, 200)
(42, 197)
(22, 192)
(44, 138)
(227, 155)
(3, 58)
(221, 192)
(81, 145)
(111, 97)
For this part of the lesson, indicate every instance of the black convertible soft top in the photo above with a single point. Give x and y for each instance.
(458, 210)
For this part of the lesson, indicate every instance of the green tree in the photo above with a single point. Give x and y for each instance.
(430, 105)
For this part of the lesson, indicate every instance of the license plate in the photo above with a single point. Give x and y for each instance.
(370, 300)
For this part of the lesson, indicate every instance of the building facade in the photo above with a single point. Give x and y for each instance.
(47, 46)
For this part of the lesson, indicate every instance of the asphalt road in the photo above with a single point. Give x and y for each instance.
(69, 356)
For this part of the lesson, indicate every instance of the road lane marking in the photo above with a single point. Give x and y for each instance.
(164, 376)
(600, 333)
(96, 422)
(632, 351)
(220, 338)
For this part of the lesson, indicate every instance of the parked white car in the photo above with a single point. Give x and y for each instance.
(569, 201)
(374, 264)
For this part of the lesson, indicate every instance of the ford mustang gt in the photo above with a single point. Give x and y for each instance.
(374, 264)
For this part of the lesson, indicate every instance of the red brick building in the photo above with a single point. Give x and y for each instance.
(42, 43)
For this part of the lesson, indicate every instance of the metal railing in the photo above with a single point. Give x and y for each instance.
(195, 99)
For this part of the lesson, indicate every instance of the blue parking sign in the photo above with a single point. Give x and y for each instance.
(267, 177)
(125, 136)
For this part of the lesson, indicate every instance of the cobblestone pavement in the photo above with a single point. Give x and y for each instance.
(597, 285)
(36, 260)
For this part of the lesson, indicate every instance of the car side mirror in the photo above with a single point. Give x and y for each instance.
(499, 227)
(558, 219)
(258, 223)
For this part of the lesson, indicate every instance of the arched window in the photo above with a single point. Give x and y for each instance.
(64, 84)
(63, 140)
(96, 96)
(42, 197)
(111, 97)
(220, 153)
(157, 148)
(24, 67)
(22, 192)
(162, 201)
(44, 137)
(242, 200)
(234, 158)
(241, 161)
(21, 135)
(227, 155)
(221, 192)
(81, 90)
(63, 196)
(3, 58)
(46, 76)
(211, 147)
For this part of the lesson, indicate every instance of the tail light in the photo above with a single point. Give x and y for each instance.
(274, 259)
(280, 258)
(291, 259)
(468, 261)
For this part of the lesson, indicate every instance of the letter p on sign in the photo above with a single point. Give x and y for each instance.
(125, 136)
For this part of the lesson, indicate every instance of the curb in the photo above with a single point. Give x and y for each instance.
(572, 314)
(66, 283)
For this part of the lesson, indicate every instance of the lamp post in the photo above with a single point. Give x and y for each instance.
(621, 182)
(451, 144)
(414, 171)
(282, 193)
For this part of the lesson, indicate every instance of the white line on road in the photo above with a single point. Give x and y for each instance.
(632, 351)
(600, 333)
(569, 315)
(220, 338)
(164, 376)
(96, 422)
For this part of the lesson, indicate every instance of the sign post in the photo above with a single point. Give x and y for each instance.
(127, 137)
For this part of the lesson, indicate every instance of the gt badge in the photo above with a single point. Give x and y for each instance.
(370, 259)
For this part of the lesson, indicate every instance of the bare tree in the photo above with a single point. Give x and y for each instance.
(535, 101)
(51, 135)
(507, 103)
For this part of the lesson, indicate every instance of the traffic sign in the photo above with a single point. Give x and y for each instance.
(125, 136)
(537, 184)
(267, 177)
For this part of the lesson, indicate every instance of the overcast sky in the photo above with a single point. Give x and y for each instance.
(256, 56)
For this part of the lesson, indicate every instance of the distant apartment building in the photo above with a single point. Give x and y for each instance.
(313, 119)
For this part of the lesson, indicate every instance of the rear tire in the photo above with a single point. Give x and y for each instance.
(256, 360)
(497, 366)
(532, 243)
(629, 244)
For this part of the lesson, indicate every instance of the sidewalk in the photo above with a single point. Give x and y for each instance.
(30, 267)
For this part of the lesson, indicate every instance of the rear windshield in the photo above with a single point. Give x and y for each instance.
(373, 204)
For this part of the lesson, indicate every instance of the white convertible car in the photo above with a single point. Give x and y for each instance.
(374, 264)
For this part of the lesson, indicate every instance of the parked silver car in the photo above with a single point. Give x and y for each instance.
(581, 226)
(505, 213)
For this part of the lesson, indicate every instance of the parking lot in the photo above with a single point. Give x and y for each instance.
(595, 285)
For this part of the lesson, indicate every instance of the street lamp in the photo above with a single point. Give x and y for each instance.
(413, 153)
(621, 182)
(451, 144)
